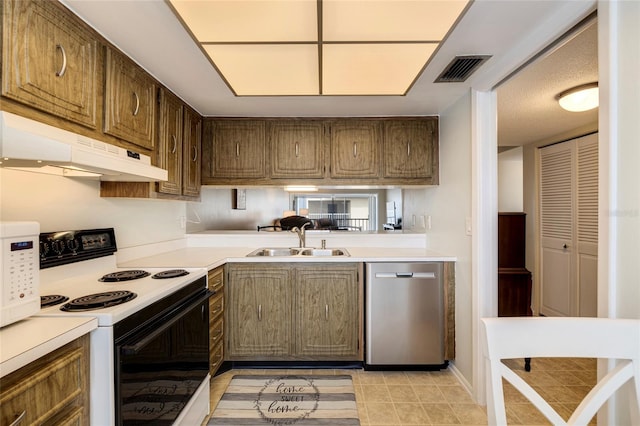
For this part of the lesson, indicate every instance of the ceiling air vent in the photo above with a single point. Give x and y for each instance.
(460, 68)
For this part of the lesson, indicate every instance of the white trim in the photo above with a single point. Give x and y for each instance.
(484, 214)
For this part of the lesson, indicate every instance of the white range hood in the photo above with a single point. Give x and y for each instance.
(34, 146)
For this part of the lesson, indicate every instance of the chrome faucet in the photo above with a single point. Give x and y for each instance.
(301, 234)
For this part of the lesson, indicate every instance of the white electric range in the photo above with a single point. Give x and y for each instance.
(144, 368)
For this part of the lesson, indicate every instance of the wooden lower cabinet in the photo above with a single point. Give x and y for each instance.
(289, 311)
(53, 390)
(326, 311)
(259, 313)
(216, 319)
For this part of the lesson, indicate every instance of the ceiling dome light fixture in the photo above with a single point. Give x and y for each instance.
(580, 98)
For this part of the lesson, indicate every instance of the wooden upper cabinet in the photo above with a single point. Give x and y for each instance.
(49, 60)
(129, 101)
(354, 149)
(192, 145)
(297, 149)
(237, 150)
(410, 148)
(170, 142)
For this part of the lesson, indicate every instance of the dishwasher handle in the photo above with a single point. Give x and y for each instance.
(427, 275)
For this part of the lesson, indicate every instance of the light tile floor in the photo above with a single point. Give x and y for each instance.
(438, 398)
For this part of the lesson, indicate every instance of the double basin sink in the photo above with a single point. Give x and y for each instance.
(305, 251)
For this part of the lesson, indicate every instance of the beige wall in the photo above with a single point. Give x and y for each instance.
(449, 204)
(510, 180)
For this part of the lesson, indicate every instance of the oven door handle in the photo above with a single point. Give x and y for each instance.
(134, 349)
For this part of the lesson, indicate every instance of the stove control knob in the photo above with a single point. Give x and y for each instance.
(73, 245)
(44, 249)
(57, 247)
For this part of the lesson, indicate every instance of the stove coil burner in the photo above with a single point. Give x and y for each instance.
(124, 276)
(98, 301)
(52, 300)
(172, 273)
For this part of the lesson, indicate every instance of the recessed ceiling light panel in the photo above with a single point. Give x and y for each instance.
(372, 69)
(238, 21)
(319, 47)
(268, 70)
(389, 20)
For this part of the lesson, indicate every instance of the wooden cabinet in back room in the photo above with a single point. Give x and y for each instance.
(514, 280)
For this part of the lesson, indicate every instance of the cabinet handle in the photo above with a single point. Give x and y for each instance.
(408, 149)
(237, 149)
(326, 312)
(564, 246)
(137, 107)
(19, 419)
(175, 144)
(297, 149)
(63, 68)
(355, 149)
(259, 312)
(195, 154)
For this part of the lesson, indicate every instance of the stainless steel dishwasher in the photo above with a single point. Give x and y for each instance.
(404, 314)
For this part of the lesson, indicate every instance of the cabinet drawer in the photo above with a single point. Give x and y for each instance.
(52, 387)
(216, 280)
(215, 358)
(216, 307)
(216, 332)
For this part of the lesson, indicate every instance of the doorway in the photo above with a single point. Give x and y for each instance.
(529, 117)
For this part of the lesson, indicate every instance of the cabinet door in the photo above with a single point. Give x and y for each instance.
(354, 149)
(258, 315)
(192, 143)
(170, 142)
(238, 149)
(129, 101)
(409, 148)
(49, 60)
(52, 390)
(327, 311)
(297, 149)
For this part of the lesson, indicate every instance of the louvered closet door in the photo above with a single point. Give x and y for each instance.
(569, 228)
(587, 220)
(557, 281)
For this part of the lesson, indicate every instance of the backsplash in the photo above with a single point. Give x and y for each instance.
(61, 203)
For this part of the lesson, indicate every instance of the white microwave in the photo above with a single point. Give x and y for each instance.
(19, 270)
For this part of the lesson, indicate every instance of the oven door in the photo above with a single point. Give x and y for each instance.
(161, 365)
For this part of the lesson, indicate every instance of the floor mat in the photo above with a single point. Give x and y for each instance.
(308, 400)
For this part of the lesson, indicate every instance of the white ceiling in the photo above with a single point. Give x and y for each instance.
(527, 105)
(512, 32)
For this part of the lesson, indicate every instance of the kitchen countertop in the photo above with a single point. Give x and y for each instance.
(29, 339)
(212, 257)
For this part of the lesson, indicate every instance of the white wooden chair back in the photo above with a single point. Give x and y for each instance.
(519, 337)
